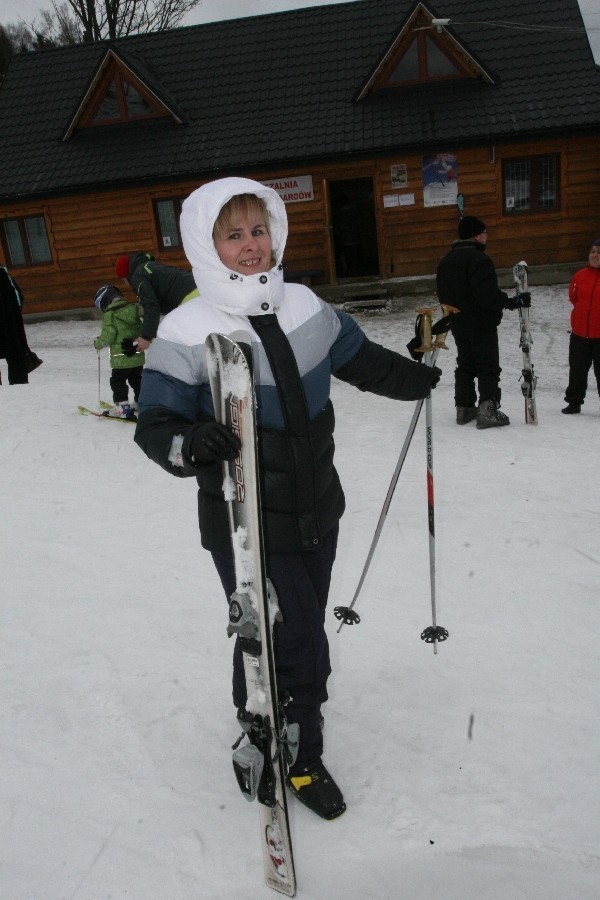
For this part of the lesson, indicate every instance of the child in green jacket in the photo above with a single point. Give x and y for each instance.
(120, 322)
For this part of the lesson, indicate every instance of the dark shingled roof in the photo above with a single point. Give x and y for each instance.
(280, 89)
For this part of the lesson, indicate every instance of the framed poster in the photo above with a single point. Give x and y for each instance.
(440, 180)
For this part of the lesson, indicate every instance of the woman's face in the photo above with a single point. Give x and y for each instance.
(246, 248)
(594, 257)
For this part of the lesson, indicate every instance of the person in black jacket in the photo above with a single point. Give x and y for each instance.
(159, 289)
(13, 340)
(234, 232)
(466, 279)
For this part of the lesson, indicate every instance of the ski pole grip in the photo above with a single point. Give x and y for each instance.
(447, 310)
(440, 340)
(426, 326)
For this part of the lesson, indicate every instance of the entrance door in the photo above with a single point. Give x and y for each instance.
(354, 227)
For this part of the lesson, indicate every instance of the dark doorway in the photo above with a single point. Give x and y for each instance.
(354, 227)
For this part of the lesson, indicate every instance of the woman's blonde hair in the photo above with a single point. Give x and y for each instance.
(248, 205)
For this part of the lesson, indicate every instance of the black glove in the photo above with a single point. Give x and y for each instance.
(521, 301)
(129, 347)
(211, 442)
(436, 375)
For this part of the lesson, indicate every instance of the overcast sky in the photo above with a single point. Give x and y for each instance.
(215, 10)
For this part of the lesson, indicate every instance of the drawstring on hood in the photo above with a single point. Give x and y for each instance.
(246, 295)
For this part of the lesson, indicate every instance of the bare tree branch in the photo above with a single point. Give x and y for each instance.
(87, 21)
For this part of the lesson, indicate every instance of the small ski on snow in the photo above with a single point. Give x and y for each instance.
(85, 411)
(529, 379)
(261, 763)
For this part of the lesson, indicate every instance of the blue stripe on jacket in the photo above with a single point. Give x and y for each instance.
(188, 393)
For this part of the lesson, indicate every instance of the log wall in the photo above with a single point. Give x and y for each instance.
(88, 232)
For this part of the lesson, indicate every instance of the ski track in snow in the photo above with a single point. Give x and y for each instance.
(469, 775)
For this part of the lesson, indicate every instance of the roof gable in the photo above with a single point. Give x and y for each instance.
(423, 50)
(116, 92)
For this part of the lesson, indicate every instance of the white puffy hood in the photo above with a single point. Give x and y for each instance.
(245, 295)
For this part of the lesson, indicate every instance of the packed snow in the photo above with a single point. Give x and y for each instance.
(470, 774)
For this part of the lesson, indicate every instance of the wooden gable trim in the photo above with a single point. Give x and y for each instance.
(423, 19)
(114, 66)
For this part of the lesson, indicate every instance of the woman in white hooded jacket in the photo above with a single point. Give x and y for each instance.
(234, 232)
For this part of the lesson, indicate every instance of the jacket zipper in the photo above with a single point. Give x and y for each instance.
(592, 292)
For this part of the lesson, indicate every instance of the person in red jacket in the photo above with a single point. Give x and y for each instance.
(584, 344)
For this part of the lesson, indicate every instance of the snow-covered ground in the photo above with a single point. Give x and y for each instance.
(470, 774)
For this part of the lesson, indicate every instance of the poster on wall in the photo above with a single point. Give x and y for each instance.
(399, 175)
(391, 200)
(440, 180)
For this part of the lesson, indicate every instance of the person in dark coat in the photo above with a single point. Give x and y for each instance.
(159, 289)
(234, 232)
(466, 279)
(584, 343)
(13, 340)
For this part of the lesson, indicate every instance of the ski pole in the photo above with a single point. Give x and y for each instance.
(434, 632)
(346, 614)
(98, 354)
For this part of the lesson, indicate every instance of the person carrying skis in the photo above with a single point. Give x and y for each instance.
(234, 232)
(120, 321)
(584, 342)
(159, 289)
(466, 279)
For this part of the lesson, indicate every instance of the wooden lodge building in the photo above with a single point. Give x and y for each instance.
(375, 120)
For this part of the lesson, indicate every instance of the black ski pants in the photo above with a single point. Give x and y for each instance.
(301, 581)
(478, 357)
(583, 354)
(120, 378)
(17, 367)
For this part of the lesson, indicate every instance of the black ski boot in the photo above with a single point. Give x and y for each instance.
(465, 414)
(313, 785)
(489, 416)
(571, 409)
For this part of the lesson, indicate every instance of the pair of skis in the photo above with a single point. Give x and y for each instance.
(529, 379)
(102, 413)
(266, 748)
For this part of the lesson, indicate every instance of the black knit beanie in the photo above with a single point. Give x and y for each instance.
(470, 226)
